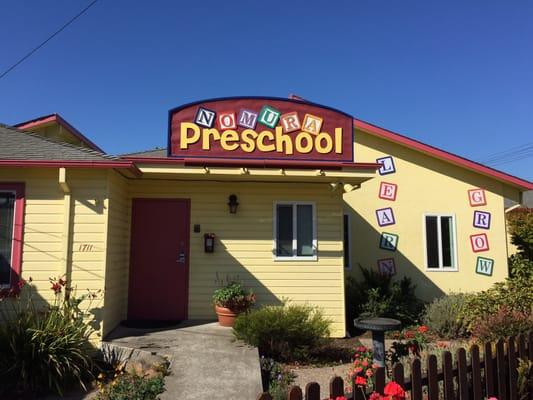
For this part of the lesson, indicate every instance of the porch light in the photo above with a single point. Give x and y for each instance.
(233, 204)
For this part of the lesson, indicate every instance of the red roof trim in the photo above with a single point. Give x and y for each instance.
(129, 165)
(61, 121)
(454, 159)
(254, 163)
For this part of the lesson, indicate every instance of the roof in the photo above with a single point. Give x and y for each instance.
(156, 152)
(56, 118)
(527, 201)
(19, 145)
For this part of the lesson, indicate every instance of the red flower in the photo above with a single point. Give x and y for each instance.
(365, 363)
(361, 349)
(423, 329)
(394, 390)
(56, 287)
(360, 381)
(409, 334)
(375, 396)
(340, 398)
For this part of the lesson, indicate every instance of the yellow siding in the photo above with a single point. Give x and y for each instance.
(425, 185)
(118, 250)
(42, 255)
(244, 243)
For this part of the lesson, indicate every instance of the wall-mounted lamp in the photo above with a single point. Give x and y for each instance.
(233, 204)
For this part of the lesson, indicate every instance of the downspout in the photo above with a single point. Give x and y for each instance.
(65, 240)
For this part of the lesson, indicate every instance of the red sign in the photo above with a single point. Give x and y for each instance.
(262, 128)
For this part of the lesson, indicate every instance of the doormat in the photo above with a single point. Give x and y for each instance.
(149, 324)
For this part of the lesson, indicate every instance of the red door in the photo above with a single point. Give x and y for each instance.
(159, 264)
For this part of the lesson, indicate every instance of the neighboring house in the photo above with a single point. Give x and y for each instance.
(285, 195)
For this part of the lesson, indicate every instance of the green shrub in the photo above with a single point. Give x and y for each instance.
(377, 295)
(234, 296)
(505, 322)
(520, 222)
(443, 316)
(44, 350)
(285, 332)
(132, 387)
(515, 294)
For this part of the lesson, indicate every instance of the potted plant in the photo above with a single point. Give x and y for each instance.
(231, 300)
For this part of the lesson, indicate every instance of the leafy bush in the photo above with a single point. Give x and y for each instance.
(505, 322)
(285, 332)
(277, 379)
(234, 296)
(520, 222)
(132, 387)
(515, 294)
(443, 316)
(377, 295)
(44, 350)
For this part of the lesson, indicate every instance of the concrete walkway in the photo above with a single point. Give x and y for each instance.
(205, 360)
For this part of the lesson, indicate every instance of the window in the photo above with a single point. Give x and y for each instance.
(346, 240)
(294, 231)
(440, 242)
(11, 204)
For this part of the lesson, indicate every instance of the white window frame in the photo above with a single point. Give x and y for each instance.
(349, 267)
(294, 256)
(8, 286)
(441, 268)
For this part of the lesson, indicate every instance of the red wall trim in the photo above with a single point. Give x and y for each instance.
(18, 231)
(454, 159)
(130, 165)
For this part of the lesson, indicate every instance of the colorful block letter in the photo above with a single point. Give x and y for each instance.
(387, 165)
(290, 122)
(388, 241)
(226, 120)
(247, 119)
(484, 266)
(479, 242)
(269, 116)
(482, 219)
(476, 197)
(387, 191)
(205, 117)
(386, 266)
(312, 124)
(385, 216)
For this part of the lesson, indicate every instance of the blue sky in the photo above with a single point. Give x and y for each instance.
(455, 74)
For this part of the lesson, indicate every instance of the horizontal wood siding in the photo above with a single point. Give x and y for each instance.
(42, 256)
(118, 248)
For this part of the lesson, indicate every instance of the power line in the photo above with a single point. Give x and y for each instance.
(47, 40)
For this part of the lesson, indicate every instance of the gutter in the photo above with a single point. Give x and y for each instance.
(65, 239)
(127, 165)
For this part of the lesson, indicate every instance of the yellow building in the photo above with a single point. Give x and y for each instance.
(264, 190)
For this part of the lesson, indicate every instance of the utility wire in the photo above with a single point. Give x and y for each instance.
(47, 40)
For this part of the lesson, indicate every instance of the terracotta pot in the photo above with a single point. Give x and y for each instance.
(226, 316)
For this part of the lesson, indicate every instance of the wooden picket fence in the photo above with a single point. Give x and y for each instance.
(494, 374)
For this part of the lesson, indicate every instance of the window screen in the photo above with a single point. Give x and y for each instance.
(7, 210)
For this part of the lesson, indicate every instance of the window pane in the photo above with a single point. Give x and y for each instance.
(447, 241)
(432, 247)
(346, 236)
(7, 208)
(304, 234)
(284, 227)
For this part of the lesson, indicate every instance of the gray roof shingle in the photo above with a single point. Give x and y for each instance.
(152, 153)
(19, 145)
